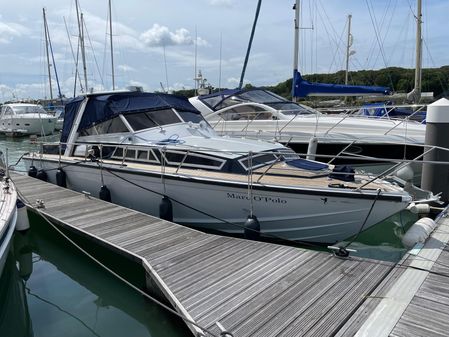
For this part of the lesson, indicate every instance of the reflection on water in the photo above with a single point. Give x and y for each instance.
(54, 290)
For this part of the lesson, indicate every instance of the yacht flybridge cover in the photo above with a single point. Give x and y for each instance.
(102, 107)
(303, 88)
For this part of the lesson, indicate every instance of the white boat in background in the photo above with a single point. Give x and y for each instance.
(155, 152)
(261, 114)
(8, 218)
(20, 119)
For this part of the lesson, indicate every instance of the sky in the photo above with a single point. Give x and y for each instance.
(155, 41)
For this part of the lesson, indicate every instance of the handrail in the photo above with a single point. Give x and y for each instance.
(393, 169)
(406, 119)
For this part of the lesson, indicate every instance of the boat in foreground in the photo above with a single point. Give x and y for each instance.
(8, 218)
(21, 119)
(155, 153)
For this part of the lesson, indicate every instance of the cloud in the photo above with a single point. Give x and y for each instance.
(126, 68)
(8, 31)
(221, 3)
(158, 36)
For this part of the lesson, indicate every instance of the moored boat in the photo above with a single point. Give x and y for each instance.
(20, 119)
(155, 153)
(8, 218)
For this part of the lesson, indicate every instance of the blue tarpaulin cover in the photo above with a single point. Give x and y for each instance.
(103, 107)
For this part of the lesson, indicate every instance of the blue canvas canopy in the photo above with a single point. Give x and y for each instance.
(303, 88)
(102, 107)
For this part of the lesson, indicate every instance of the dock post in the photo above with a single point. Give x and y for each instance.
(435, 177)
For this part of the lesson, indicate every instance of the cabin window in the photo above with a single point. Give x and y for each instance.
(8, 111)
(151, 119)
(247, 112)
(193, 160)
(114, 125)
(258, 160)
(142, 155)
(131, 154)
(189, 116)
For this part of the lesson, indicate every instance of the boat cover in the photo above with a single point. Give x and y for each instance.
(303, 88)
(102, 107)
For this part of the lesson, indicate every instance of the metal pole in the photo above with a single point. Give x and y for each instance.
(250, 43)
(348, 46)
(296, 43)
(418, 52)
(112, 48)
(47, 53)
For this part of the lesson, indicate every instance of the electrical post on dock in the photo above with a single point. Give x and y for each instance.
(435, 177)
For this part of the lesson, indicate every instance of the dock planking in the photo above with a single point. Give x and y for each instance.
(251, 288)
(413, 300)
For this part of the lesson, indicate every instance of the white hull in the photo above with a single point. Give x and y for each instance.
(327, 129)
(28, 125)
(294, 214)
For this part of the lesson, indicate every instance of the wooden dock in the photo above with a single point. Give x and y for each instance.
(252, 288)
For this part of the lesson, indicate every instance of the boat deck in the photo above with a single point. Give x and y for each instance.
(279, 175)
(250, 288)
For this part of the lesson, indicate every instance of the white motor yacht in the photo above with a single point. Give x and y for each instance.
(154, 152)
(261, 114)
(20, 119)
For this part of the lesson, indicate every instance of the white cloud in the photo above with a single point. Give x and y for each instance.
(126, 68)
(221, 3)
(158, 36)
(8, 31)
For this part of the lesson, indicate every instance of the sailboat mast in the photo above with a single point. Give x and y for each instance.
(80, 20)
(296, 42)
(47, 52)
(112, 48)
(83, 50)
(348, 47)
(418, 52)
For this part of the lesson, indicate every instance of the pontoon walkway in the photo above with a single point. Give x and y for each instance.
(251, 288)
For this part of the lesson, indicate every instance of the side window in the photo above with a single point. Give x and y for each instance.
(114, 125)
(8, 111)
(246, 112)
(151, 119)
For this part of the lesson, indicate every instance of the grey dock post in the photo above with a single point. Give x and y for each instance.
(435, 177)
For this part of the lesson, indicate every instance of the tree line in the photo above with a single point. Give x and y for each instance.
(400, 80)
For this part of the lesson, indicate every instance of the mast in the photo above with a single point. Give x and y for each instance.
(415, 94)
(250, 43)
(112, 49)
(80, 20)
(296, 42)
(348, 47)
(47, 52)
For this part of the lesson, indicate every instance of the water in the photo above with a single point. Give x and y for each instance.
(49, 288)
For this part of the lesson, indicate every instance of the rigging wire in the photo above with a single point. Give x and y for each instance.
(93, 53)
(374, 23)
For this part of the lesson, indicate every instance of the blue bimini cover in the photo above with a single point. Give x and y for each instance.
(102, 107)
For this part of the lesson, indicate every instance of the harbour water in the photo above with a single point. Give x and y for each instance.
(49, 288)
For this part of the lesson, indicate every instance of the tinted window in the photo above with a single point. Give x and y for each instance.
(188, 116)
(151, 119)
(114, 125)
(259, 160)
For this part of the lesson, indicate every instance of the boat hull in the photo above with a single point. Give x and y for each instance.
(283, 212)
(22, 126)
